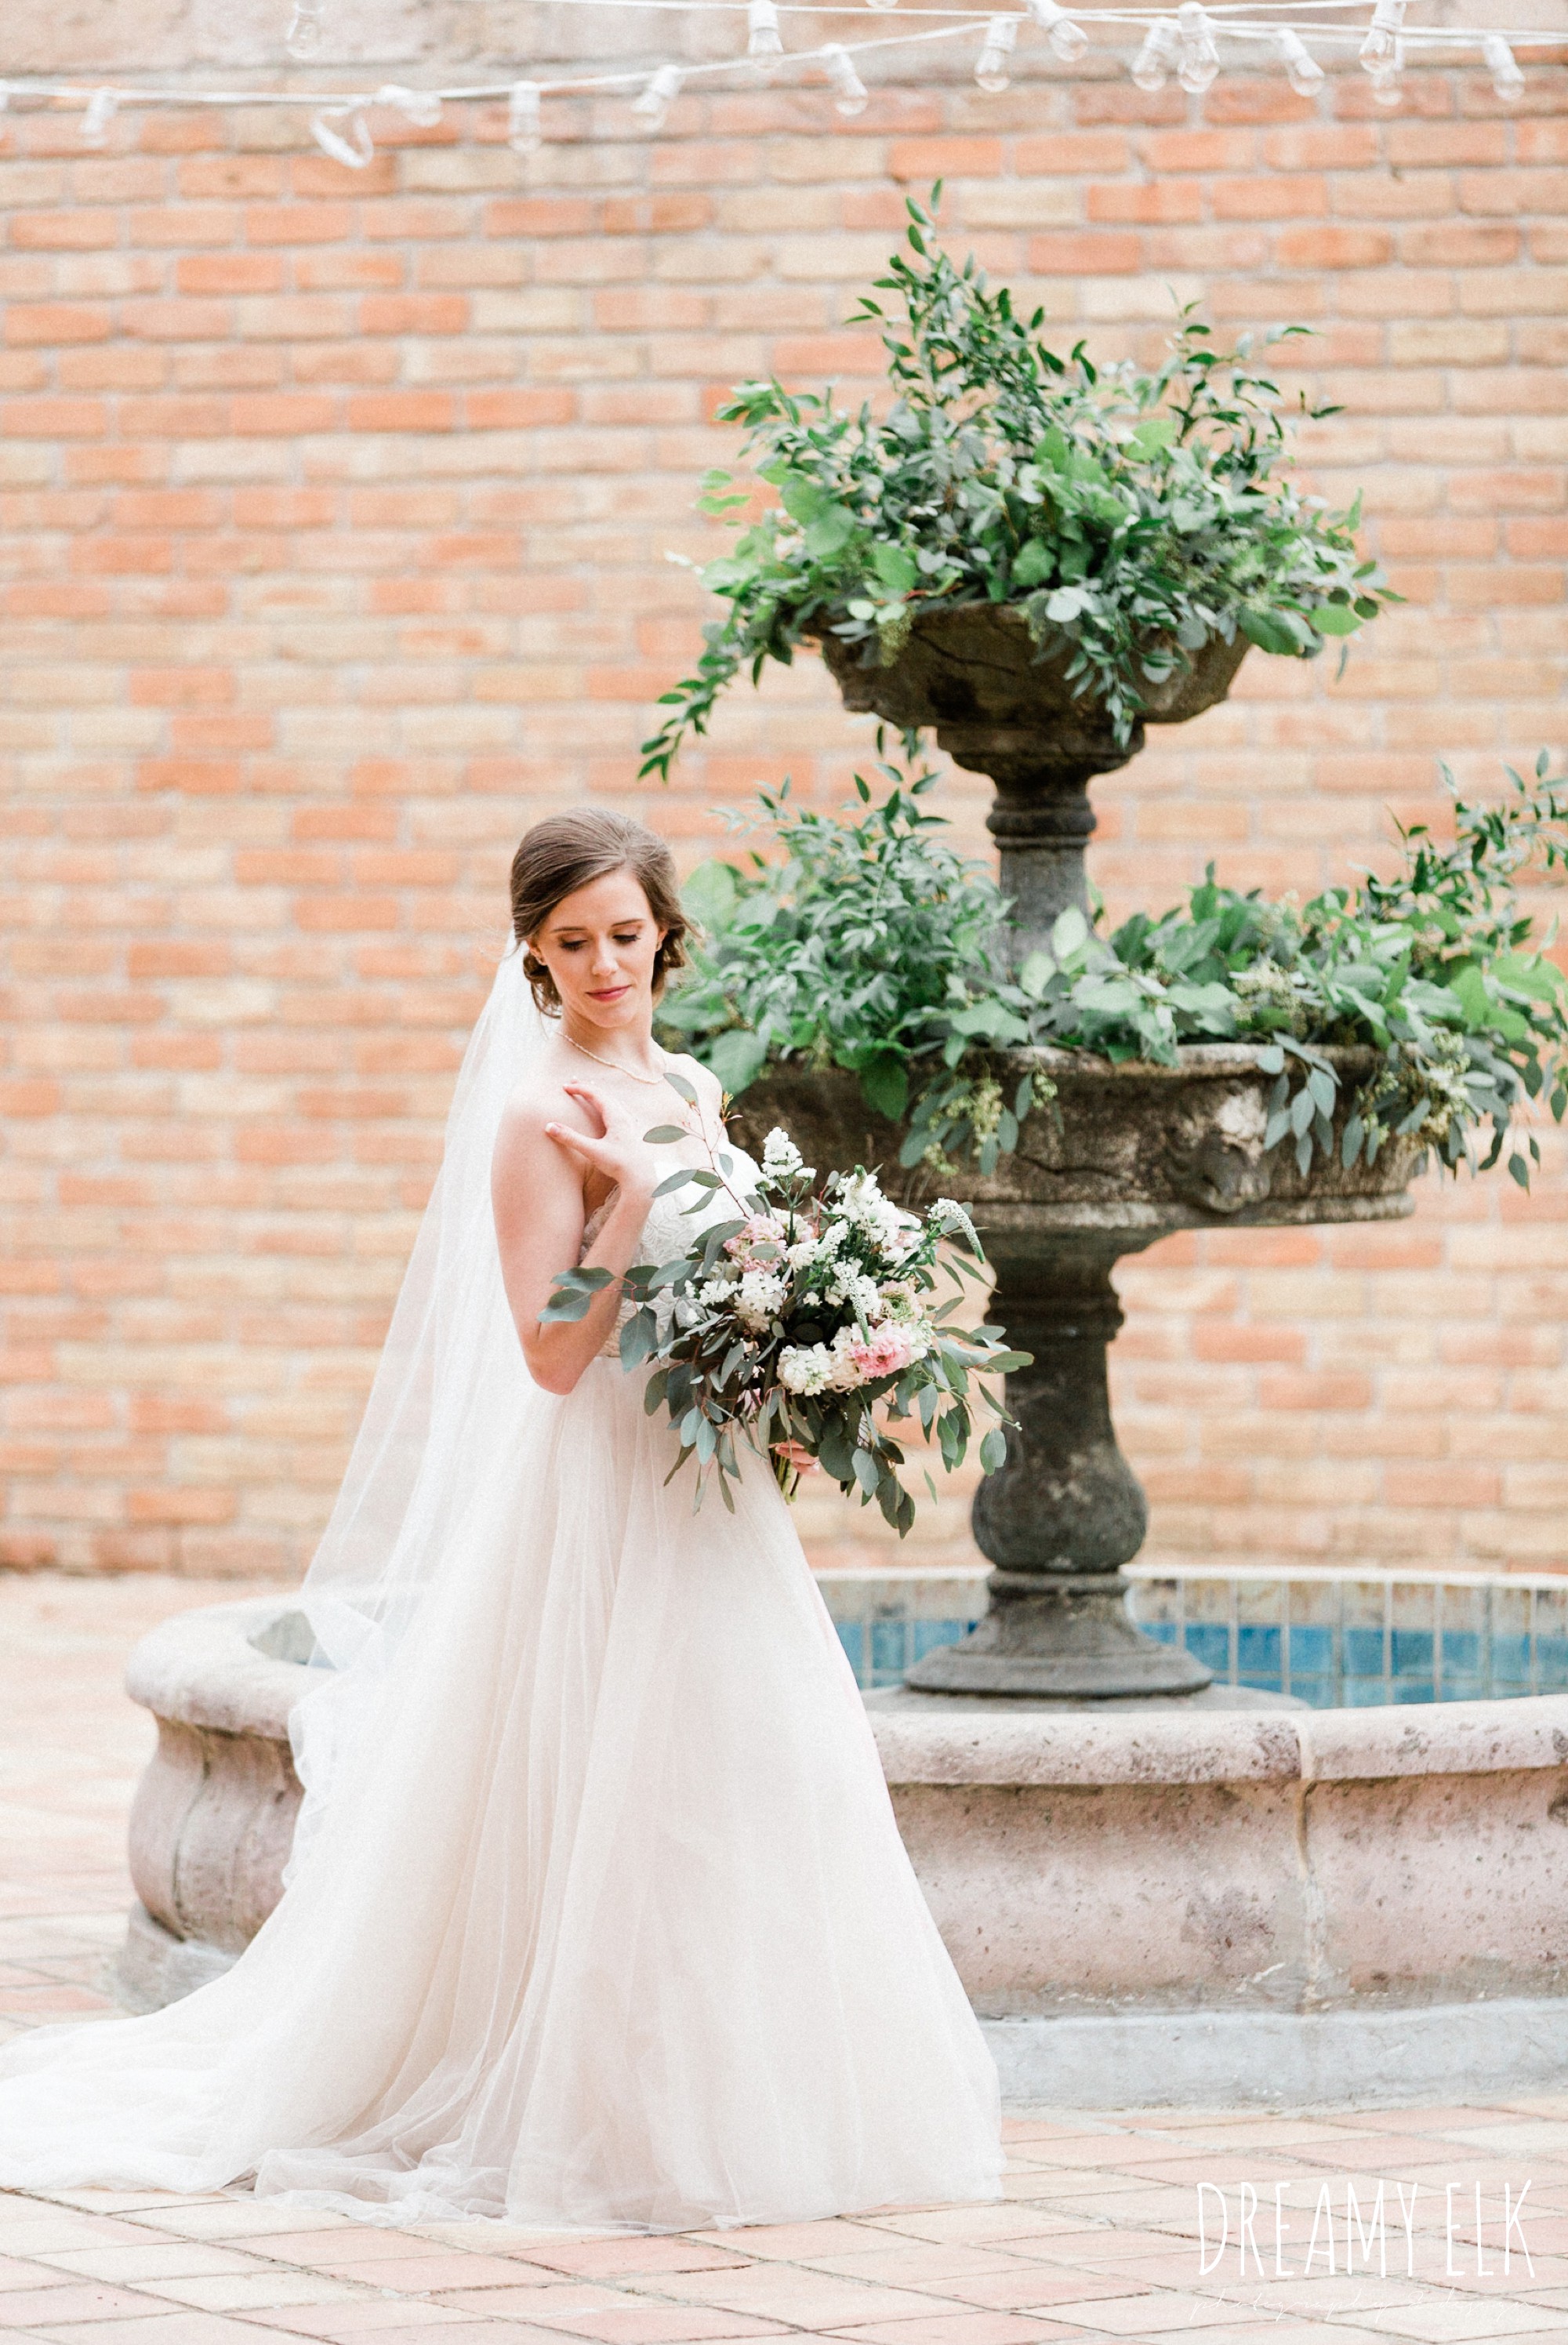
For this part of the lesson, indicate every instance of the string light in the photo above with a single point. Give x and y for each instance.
(1503, 66)
(992, 65)
(1184, 41)
(303, 38)
(1303, 70)
(881, 3)
(1068, 41)
(850, 92)
(763, 41)
(653, 102)
(524, 127)
(98, 115)
(1381, 47)
(1199, 66)
(1156, 56)
(1386, 72)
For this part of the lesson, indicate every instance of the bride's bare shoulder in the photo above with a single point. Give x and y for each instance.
(537, 1100)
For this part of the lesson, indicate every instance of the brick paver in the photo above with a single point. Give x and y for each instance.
(1098, 2239)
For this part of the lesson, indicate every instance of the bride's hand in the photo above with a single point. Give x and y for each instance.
(617, 1151)
(796, 1454)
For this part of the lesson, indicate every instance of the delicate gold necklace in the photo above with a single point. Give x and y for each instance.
(614, 1064)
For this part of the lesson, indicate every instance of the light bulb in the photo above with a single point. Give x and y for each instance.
(524, 131)
(850, 92)
(1382, 35)
(991, 66)
(653, 102)
(1303, 71)
(881, 3)
(98, 115)
(1200, 60)
(1068, 41)
(303, 37)
(1504, 67)
(1387, 89)
(1155, 57)
(762, 42)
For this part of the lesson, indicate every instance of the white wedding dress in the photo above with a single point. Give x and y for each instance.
(599, 1918)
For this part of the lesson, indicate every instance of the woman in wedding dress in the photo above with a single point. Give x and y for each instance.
(598, 1917)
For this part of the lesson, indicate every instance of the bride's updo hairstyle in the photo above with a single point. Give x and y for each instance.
(569, 851)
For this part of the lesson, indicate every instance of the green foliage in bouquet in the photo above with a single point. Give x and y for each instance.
(868, 944)
(1131, 515)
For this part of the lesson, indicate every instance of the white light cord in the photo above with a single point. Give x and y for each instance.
(1184, 41)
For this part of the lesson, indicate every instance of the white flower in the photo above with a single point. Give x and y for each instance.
(951, 1220)
(759, 1295)
(806, 1368)
(853, 1289)
(716, 1289)
(802, 1253)
(782, 1158)
(886, 1228)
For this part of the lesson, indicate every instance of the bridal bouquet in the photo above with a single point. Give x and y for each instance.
(788, 1321)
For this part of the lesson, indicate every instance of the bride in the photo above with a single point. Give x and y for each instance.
(598, 1917)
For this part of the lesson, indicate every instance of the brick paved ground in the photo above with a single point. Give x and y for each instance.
(1097, 2238)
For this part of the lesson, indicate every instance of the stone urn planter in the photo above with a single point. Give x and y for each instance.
(973, 676)
(1124, 1155)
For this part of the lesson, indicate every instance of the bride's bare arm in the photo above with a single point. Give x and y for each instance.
(542, 1160)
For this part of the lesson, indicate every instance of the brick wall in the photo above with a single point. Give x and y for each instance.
(335, 507)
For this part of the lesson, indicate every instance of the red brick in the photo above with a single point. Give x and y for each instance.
(1153, 202)
(41, 323)
(1083, 253)
(403, 410)
(1334, 247)
(338, 553)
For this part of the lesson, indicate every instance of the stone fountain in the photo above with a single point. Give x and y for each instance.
(1125, 1155)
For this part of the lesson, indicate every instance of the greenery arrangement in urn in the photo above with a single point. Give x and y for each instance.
(870, 944)
(1133, 516)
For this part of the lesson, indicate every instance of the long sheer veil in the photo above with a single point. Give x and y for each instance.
(451, 1383)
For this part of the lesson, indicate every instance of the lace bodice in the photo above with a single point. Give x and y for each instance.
(669, 1228)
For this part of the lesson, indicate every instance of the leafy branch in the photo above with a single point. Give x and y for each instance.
(1132, 515)
(869, 944)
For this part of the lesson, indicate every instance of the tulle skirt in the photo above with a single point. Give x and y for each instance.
(607, 1924)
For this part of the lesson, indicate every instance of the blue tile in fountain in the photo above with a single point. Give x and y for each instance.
(889, 1651)
(1210, 1640)
(926, 1635)
(1363, 1653)
(1311, 1650)
(1412, 1653)
(1259, 1653)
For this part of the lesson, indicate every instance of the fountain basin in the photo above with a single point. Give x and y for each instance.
(1131, 1150)
(1123, 1155)
(1143, 1905)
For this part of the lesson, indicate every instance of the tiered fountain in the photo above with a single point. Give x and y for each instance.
(1131, 1152)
